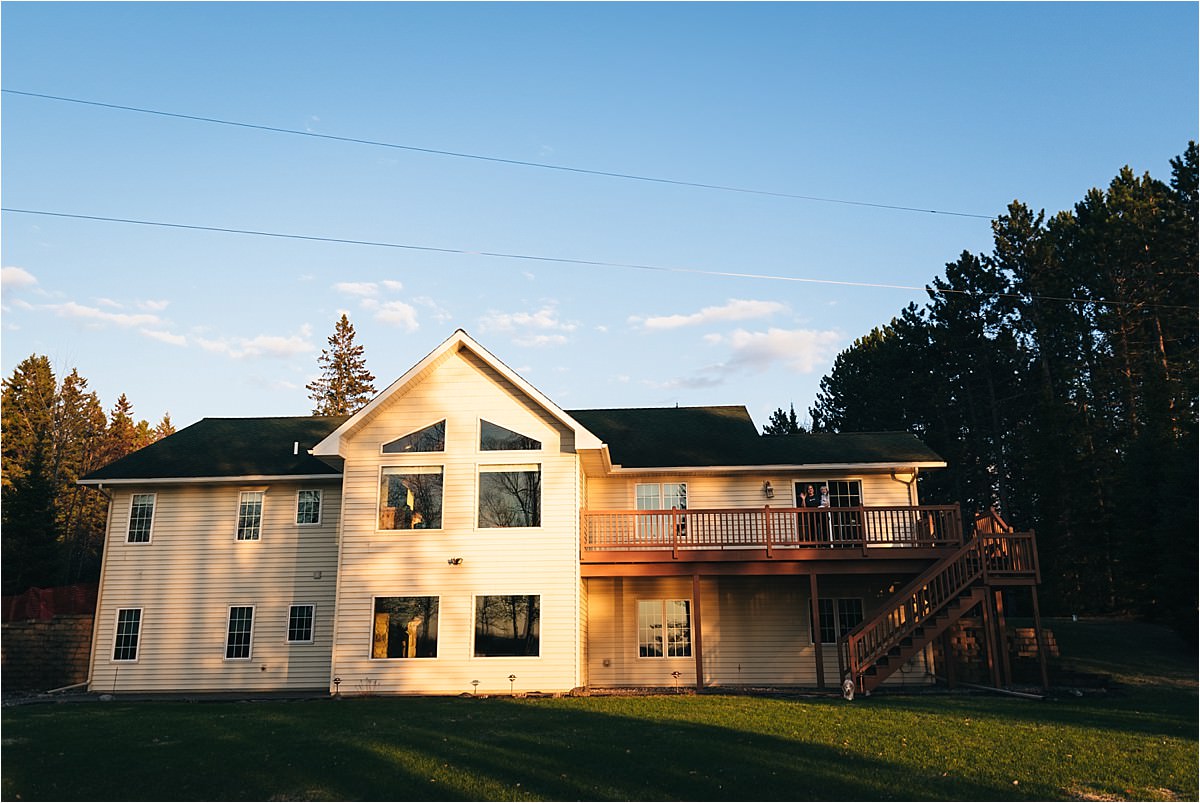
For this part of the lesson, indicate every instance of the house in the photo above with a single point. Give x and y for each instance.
(463, 533)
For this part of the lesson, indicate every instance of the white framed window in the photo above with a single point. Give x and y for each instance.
(664, 628)
(410, 498)
(127, 634)
(239, 633)
(428, 439)
(510, 496)
(404, 627)
(838, 616)
(250, 507)
(300, 624)
(508, 625)
(141, 518)
(308, 506)
(660, 495)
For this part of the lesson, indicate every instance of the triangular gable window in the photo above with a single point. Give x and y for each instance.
(430, 439)
(495, 438)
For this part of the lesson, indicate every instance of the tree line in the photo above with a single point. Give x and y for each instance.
(1057, 375)
(52, 529)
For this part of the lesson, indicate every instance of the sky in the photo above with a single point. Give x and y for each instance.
(816, 128)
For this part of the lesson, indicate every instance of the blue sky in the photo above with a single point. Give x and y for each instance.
(953, 107)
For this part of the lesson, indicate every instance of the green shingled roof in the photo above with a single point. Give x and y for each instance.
(725, 436)
(647, 437)
(230, 447)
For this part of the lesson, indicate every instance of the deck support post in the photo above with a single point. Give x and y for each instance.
(950, 668)
(1002, 637)
(815, 625)
(989, 638)
(697, 640)
(1041, 641)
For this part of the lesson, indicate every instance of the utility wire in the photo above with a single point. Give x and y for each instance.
(495, 159)
(595, 263)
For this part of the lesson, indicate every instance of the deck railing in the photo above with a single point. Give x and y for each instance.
(771, 528)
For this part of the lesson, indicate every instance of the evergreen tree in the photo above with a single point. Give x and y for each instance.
(345, 384)
(781, 423)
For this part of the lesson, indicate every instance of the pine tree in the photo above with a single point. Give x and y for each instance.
(345, 384)
(781, 423)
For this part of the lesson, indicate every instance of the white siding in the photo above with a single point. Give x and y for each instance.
(742, 490)
(193, 569)
(539, 560)
(755, 631)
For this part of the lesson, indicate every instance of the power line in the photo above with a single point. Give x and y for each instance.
(495, 159)
(594, 263)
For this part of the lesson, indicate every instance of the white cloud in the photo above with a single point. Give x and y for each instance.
(154, 305)
(269, 346)
(164, 336)
(12, 277)
(72, 309)
(799, 351)
(439, 313)
(393, 285)
(108, 302)
(735, 309)
(365, 289)
(540, 328)
(397, 313)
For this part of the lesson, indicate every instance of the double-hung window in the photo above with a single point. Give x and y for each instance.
(141, 518)
(300, 624)
(129, 630)
(241, 628)
(308, 506)
(664, 628)
(250, 507)
(838, 617)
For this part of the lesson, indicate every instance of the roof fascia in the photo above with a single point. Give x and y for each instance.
(331, 445)
(617, 469)
(238, 478)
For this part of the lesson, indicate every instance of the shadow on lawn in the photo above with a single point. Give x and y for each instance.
(437, 749)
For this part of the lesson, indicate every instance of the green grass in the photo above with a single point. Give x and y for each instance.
(1136, 741)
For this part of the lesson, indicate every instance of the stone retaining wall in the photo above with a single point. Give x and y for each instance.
(39, 656)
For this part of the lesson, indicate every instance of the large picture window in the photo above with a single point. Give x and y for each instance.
(250, 505)
(508, 625)
(141, 517)
(410, 498)
(838, 617)
(664, 628)
(129, 630)
(510, 496)
(405, 627)
(241, 626)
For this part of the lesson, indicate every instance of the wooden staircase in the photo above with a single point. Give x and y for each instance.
(921, 611)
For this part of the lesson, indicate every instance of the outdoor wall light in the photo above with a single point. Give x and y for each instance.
(454, 561)
(768, 491)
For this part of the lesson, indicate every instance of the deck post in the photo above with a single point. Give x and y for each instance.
(950, 668)
(697, 640)
(989, 638)
(815, 619)
(1041, 641)
(1002, 636)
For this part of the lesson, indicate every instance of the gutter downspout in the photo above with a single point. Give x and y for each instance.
(99, 590)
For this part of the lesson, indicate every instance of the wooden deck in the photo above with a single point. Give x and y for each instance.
(769, 534)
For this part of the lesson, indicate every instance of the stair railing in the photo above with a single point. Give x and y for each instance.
(921, 599)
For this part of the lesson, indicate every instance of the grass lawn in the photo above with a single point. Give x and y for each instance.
(1136, 741)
